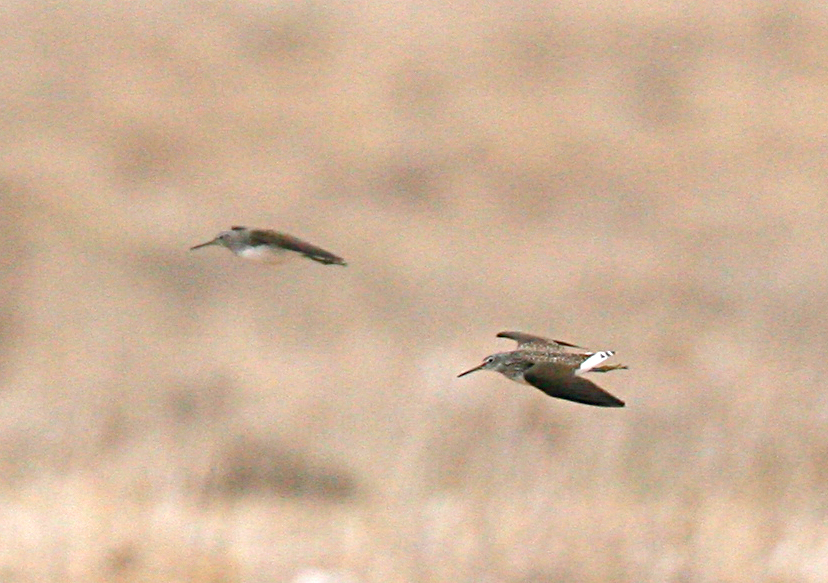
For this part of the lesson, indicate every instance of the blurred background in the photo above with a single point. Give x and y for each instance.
(648, 177)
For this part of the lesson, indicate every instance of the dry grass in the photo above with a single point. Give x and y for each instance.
(647, 177)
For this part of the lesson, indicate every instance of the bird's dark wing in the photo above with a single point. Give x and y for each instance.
(559, 382)
(285, 241)
(528, 340)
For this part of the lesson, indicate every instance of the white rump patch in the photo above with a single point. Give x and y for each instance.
(594, 360)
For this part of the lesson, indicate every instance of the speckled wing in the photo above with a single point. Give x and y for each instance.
(285, 241)
(558, 381)
(530, 341)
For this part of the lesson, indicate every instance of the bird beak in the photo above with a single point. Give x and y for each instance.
(478, 367)
(213, 242)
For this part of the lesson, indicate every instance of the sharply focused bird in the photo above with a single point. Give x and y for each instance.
(554, 367)
(267, 246)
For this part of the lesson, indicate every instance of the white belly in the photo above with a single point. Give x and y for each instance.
(265, 254)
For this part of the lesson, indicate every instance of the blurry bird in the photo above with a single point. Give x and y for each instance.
(267, 246)
(554, 367)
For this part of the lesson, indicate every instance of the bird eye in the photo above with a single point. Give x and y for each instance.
(489, 360)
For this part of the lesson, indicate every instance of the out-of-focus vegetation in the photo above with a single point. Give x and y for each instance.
(644, 177)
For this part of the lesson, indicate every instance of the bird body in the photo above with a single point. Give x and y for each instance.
(266, 246)
(554, 367)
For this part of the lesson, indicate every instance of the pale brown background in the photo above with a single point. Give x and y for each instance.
(644, 176)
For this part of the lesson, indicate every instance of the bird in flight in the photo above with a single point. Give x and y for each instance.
(266, 246)
(553, 366)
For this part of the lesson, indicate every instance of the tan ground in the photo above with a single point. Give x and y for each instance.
(643, 176)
